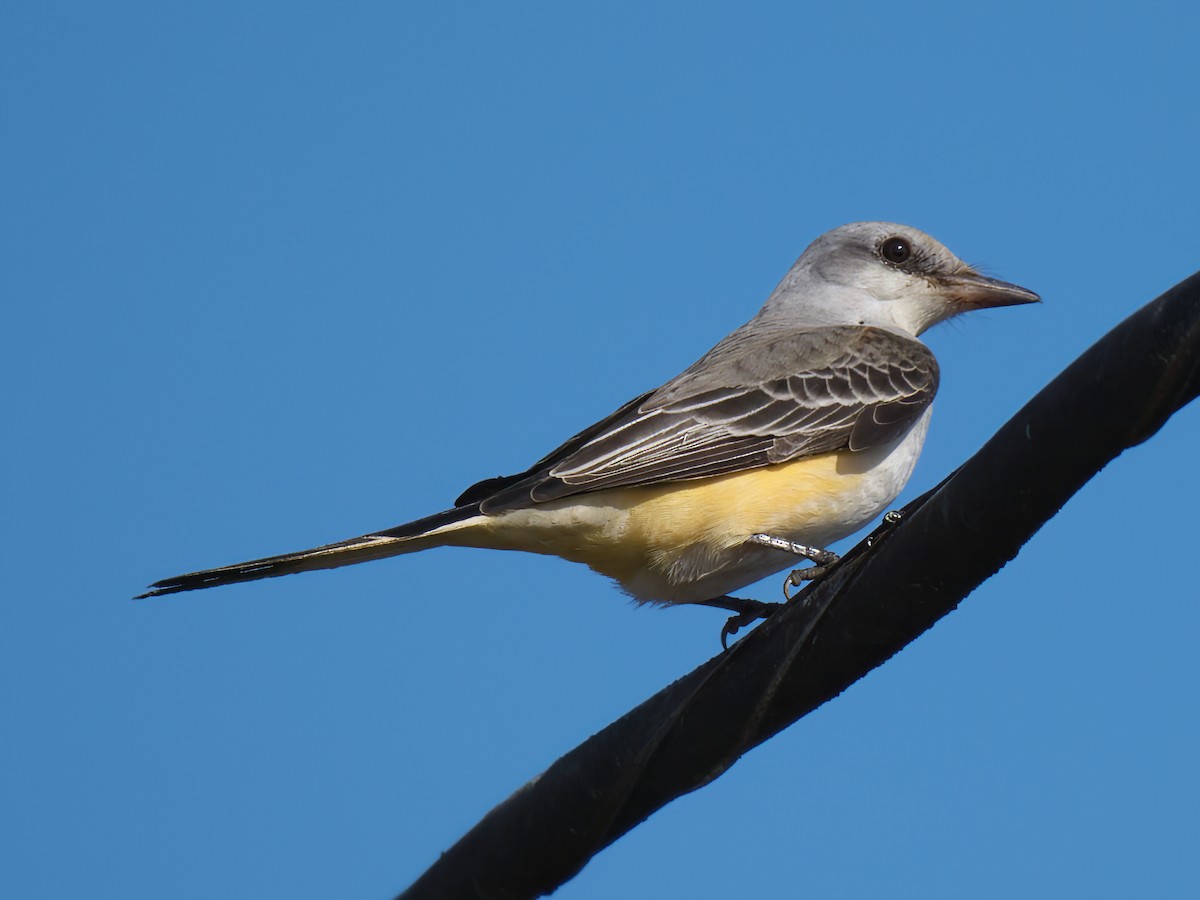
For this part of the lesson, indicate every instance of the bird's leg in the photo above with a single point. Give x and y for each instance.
(816, 554)
(747, 611)
(822, 560)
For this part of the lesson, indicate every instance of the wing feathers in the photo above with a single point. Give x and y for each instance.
(757, 398)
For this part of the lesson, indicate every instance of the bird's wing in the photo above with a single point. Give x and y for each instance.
(761, 396)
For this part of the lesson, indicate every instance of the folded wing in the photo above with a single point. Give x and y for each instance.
(760, 397)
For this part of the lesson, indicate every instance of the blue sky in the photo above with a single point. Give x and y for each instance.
(278, 274)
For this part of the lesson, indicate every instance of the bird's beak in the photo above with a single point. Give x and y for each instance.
(974, 291)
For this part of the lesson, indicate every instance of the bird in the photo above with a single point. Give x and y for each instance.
(794, 431)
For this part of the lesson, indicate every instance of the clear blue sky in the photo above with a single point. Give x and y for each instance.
(275, 275)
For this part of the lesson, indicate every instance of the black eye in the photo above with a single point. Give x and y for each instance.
(895, 249)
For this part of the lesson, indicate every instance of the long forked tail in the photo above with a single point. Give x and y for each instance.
(432, 531)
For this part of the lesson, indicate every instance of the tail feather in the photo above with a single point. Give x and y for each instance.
(418, 535)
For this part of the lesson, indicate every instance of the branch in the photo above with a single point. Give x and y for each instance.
(885, 593)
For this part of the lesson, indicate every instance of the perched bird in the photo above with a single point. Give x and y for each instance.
(794, 431)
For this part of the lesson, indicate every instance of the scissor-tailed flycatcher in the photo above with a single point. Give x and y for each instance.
(802, 426)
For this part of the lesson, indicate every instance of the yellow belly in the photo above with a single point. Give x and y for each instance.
(687, 540)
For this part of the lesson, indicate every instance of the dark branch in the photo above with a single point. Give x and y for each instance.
(880, 598)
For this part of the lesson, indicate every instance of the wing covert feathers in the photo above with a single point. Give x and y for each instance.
(760, 397)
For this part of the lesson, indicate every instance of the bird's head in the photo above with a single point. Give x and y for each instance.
(880, 273)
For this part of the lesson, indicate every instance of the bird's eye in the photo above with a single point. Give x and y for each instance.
(895, 249)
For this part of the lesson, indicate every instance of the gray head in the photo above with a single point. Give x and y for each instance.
(880, 273)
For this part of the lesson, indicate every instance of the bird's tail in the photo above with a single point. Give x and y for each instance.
(433, 531)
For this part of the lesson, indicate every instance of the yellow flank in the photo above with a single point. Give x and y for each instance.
(652, 539)
(722, 512)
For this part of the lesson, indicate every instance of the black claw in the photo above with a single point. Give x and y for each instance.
(798, 577)
(747, 611)
(732, 627)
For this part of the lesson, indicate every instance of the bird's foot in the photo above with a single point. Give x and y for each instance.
(823, 560)
(747, 611)
(797, 577)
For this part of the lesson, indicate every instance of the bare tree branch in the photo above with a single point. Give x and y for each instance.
(876, 601)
